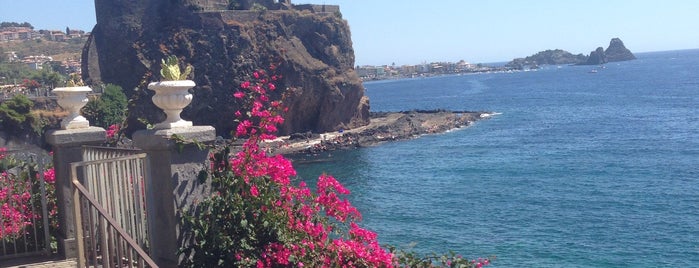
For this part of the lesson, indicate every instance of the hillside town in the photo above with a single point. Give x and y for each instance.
(36, 62)
(371, 72)
(41, 72)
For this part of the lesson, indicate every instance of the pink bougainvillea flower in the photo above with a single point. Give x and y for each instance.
(253, 191)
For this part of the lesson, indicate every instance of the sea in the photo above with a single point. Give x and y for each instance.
(578, 168)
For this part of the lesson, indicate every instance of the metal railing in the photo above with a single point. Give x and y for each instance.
(30, 235)
(116, 178)
(110, 208)
(101, 242)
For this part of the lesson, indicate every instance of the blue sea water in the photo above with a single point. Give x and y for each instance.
(580, 170)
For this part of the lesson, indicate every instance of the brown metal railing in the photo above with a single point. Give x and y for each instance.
(110, 211)
(101, 242)
(116, 179)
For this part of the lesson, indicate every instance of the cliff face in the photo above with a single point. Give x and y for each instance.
(314, 51)
(618, 52)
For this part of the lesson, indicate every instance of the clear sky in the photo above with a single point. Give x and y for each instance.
(406, 32)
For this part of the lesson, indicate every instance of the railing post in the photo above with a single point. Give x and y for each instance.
(67, 149)
(172, 186)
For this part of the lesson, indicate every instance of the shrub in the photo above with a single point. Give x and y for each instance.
(108, 109)
(20, 197)
(15, 115)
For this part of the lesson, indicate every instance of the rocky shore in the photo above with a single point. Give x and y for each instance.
(383, 127)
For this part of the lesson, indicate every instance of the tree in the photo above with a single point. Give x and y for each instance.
(15, 115)
(67, 30)
(48, 77)
(107, 110)
(15, 24)
(14, 72)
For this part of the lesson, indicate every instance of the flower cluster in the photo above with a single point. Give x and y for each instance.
(15, 211)
(256, 216)
(20, 197)
(112, 131)
(30, 84)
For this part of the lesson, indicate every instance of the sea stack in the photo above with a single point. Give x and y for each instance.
(597, 57)
(618, 52)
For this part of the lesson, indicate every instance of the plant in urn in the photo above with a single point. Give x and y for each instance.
(72, 98)
(172, 93)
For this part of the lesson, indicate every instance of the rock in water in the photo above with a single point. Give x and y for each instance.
(618, 52)
(551, 57)
(597, 57)
(312, 43)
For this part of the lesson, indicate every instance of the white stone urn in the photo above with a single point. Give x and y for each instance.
(172, 97)
(72, 99)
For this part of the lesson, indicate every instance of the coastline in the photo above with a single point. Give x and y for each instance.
(383, 127)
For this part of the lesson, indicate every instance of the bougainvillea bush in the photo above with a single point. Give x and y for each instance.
(256, 216)
(20, 198)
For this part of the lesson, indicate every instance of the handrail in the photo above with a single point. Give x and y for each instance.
(81, 190)
(128, 157)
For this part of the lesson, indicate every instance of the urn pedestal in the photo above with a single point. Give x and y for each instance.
(172, 97)
(72, 99)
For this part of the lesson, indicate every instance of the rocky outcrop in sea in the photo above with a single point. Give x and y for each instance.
(615, 52)
(596, 57)
(618, 52)
(550, 57)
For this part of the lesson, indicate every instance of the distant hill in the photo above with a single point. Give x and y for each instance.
(62, 50)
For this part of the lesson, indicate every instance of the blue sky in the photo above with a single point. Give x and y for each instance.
(403, 32)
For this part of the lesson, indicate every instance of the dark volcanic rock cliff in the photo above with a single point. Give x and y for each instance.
(314, 50)
(618, 52)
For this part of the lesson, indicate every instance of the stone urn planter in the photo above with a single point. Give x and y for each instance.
(72, 99)
(172, 97)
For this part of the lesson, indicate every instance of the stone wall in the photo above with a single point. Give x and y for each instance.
(319, 8)
(208, 5)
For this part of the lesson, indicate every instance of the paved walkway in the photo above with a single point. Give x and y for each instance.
(39, 263)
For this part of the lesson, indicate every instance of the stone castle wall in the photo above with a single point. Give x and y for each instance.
(250, 15)
(319, 8)
(209, 5)
(219, 5)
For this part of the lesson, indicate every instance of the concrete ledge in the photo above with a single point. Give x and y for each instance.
(69, 137)
(160, 138)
